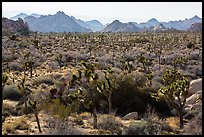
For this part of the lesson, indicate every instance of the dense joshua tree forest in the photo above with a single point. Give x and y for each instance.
(87, 83)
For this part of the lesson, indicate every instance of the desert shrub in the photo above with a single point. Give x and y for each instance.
(56, 108)
(127, 95)
(194, 127)
(47, 80)
(11, 92)
(152, 116)
(8, 110)
(19, 123)
(8, 57)
(59, 127)
(144, 127)
(194, 56)
(16, 66)
(111, 123)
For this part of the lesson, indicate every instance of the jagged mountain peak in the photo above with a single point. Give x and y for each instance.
(60, 13)
(153, 20)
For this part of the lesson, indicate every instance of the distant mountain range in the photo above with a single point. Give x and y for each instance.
(60, 22)
(117, 26)
(23, 15)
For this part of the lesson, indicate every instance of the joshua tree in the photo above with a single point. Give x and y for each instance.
(158, 53)
(25, 91)
(141, 58)
(149, 77)
(127, 66)
(174, 91)
(29, 64)
(35, 42)
(33, 104)
(106, 87)
(190, 45)
(59, 60)
(4, 80)
(87, 81)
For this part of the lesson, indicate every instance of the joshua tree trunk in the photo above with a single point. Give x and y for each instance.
(94, 115)
(36, 116)
(181, 118)
(31, 71)
(144, 68)
(110, 102)
(26, 111)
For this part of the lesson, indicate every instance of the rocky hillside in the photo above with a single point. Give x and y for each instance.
(196, 27)
(11, 27)
(60, 22)
(95, 25)
(183, 24)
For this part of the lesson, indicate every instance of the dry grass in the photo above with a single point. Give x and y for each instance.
(173, 122)
(19, 123)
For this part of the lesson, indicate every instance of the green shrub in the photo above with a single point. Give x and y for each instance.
(11, 92)
(127, 95)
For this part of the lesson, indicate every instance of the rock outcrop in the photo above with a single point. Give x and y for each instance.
(193, 104)
(131, 115)
(13, 27)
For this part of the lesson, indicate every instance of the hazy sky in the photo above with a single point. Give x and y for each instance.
(106, 12)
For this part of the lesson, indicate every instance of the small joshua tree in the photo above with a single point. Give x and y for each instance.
(190, 45)
(141, 58)
(149, 77)
(4, 81)
(158, 53)
(127, 66)
(33, 104)
(25, 91)
(29, 63)
(59, 60)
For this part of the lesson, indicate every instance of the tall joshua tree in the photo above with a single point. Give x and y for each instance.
(107, 87)
(88, 81)
(174, 91)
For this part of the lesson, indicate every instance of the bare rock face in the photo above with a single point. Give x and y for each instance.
(131, 115)
(10, 27)
(193, 104)
(195, 86)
